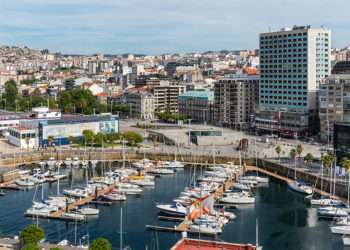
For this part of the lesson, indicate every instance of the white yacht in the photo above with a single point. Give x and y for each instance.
(173, 209)
(346, 241)
(114, 197)
(162, 171)
(68, 162)
(73, 216)
(127, 188)
(344, 230)
(207, 228)
(143, 182)
(25, 182)
(237, 198)
(88, 211)
(325, 202)
(76, 162)
(300, 187)
(77, 192)
(332, 211)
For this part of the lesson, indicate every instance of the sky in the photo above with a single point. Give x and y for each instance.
(161, 26)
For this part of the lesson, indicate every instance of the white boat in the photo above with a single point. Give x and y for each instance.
(143, 183)
(344, 230)
(332, 211)
(25, 182)
(76, 192)
(127, 188)
(209, 228)
(237, 198)
(300, 187)
(325, 202)
(162, 171)
(258, 179)
(51, 162)
(68, 161)
(114, 197)
(73, 216)
(173, 209)
(241, 186)
(84, 163)
(76, 162)
(88, 211)
(346, 241)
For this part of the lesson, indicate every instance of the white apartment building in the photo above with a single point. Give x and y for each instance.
(293, 62)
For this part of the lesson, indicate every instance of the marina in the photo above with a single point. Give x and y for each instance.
(148, 228)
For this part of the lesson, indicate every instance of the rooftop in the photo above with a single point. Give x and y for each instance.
(203, 94)
(193, 244)
(78, 119)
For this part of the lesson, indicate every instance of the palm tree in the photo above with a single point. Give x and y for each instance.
(299, 150)
(345, 163)
(309, 158)
(327, 160)
(50, 140)
(292, 154)
(278, 150)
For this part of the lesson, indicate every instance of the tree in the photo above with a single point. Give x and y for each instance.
(327, 159)
(56, 248)
(100, 244)
(50, 140)
(345, 163)
(309, 158)
(88, 136)
(132, 138)
(32, 234)
(11, 93)
(293, 153)
(30, 247)
(299, 149)
(278, 150)
(113, 137)
(100, 138)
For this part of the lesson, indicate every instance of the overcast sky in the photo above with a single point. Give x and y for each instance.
(160, 26)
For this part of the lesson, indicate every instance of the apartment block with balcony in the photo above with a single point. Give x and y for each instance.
(236, 99)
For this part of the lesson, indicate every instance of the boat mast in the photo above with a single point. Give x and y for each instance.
(58, 180)
(121, 228)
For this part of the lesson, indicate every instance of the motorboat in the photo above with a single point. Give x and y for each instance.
(161, 171)
(344, 230)
(142, 183)
(173, 209)
(346, 241)
(77, 192)
(332, 211)
(76, 162)
(127, 188)
(241, 186)
(73, 216)
(300, 187)
(25, 182)
(258, 179)
(114, 197)
(84, 163)
(68, 161)
(88, 211)
(237, 198)
(51, 162)
(325, 202)
(208, 228)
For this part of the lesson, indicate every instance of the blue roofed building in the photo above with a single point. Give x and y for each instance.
(197, 105)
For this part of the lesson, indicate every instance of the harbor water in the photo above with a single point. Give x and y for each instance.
(285, 221)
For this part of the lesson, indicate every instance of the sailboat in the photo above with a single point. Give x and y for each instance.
(298, 185)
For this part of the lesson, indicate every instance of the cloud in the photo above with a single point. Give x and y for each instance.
(158, 26)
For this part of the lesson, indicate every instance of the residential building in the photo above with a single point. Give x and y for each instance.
(334, 104)
(197, 105)
(236, 99)
(166, 96)
(293, 62)
(342, 67)
(141, 105)
(341, 142)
